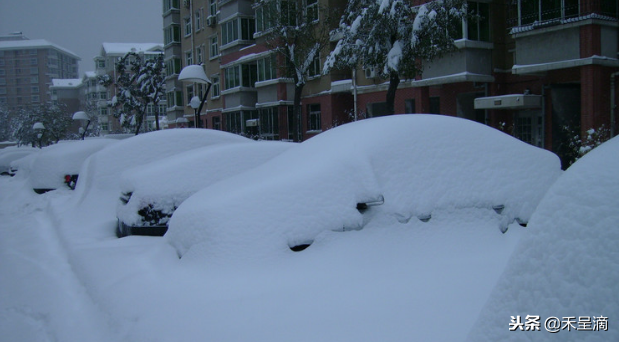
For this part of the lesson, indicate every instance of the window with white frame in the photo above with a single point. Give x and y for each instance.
(215, 89)
(311, 10)
(213, 7)
(189, 93)
(244, 75)
(267, 68)
(170, 4)
(478, 27)
(213, 47)
(199, 54)
(188, 58)
(103, 95)
(313, 117)
(237, 28)
(173, 66)
(187, 26)
(172, 34)
(314, 68)
(198, 19)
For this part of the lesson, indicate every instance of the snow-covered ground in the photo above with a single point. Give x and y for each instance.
(64, 276)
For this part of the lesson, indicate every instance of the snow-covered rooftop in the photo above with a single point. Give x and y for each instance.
(123, 48)
(34, 43)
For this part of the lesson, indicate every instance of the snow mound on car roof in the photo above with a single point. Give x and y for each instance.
(167, 183)
(417, 163)
(567, 263)
(49, 167)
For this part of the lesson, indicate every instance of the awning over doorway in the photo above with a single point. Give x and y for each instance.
(512, 101)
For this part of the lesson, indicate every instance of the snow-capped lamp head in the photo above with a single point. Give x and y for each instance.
(194, 74)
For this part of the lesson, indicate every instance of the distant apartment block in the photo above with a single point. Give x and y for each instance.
(27, 68)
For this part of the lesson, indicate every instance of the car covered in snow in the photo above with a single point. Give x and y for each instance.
(101, 174)
(10, 154)
(400, 169)
(150, 194)
(58, 165)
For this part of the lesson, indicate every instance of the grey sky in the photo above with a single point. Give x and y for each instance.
(81, 26)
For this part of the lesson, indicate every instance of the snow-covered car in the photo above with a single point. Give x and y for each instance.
(399, 169)
(58, 165)
(10, 154)
(101, 174)
(150, 194)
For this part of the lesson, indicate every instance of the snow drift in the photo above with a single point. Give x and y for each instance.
(567, 263)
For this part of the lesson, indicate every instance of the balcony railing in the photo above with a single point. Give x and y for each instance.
(530, 14)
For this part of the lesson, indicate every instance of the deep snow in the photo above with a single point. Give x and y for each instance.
(65, 276)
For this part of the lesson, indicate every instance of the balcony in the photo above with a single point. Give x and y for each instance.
(551, 38)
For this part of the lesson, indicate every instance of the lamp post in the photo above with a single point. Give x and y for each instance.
(39, 128)
(82, 116)
(196, 74)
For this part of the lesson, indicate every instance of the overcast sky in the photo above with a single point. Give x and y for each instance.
(81, 26)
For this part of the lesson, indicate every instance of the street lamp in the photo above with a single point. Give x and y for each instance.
(82, 116)
(39, 128)
(196, 74)
(195, 104)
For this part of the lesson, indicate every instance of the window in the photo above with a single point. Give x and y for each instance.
(267, 68)
(187, 26)
(409, 106)
(213, 48)
(104, 126)
(217, 123)
(265, 16)
(531, 11)
(2, 81)
(1, 61)
(435, 105)
(103, 111)
(269, 123)
(215, 90)
(101, 63)
(2, 72)
(2, 90)
(172, 34)
(312, 10)
(103, 95)
(232, 77)
(249, 75)
(213, 7)
(35, 98)
(33, 61)
(34, 71)
(479, 28)
(188, 58)
(313, 117)
(199, 57)
(34, 89)
(173, 66)
(189, 93)
(198, 18)
(34, 79)
(314, 68)
(32, 52)
(170, 4)
(230, 30)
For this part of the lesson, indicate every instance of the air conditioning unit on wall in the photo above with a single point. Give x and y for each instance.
(211, 20)
(370, 73)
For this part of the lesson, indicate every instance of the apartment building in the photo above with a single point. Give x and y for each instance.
(27, 68)
(105, 64)
(531, 68)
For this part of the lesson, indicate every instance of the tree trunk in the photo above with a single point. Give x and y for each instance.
(394, 81)
(296, 117)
